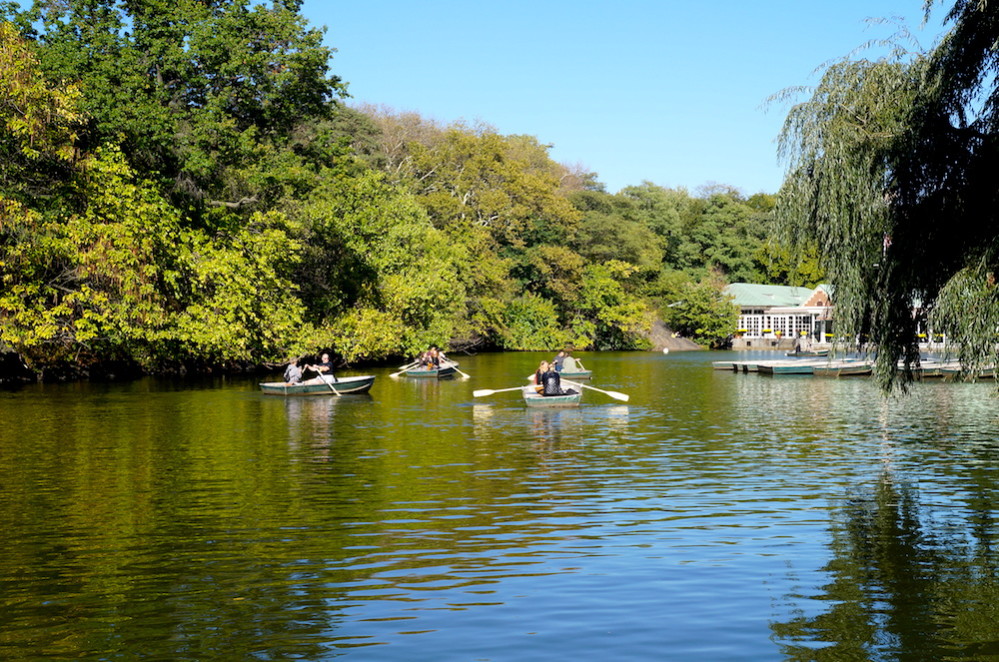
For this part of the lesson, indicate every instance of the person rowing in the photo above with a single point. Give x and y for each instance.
(324, 367)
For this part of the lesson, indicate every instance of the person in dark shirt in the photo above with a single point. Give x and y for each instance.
(324, 367)
(551, 381)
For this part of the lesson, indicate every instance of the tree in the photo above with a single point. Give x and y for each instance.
(695, 309)
(38, 121)
(114, 277)
(889, 161)
(612, 229)
(201, 93)
(377, 278)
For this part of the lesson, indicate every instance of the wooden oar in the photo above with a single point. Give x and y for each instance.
(623, 397)
(489, 391)
(320, 374)
(330, 384)
(405, 368)
(456, 369)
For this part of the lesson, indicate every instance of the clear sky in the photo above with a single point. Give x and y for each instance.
(635, 90)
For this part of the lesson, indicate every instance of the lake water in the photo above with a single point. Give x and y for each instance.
(715, 516)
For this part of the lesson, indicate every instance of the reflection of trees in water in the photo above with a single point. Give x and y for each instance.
(908, 581)
(313, 420)
(913, 571)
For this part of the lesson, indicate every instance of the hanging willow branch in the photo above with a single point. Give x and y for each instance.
(890, 173)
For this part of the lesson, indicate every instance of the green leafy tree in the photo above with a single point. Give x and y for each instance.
(718, 230)
(531, 322)
(496, 199)
(377, 278)
(606, 315)
(38, 121)
(781, 265)
(121, 280)
(202, 93)
(482, 179)
(698, 310)
(612, 228)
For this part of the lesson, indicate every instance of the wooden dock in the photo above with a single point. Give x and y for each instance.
(846, 367)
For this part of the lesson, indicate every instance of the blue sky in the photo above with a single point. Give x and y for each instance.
(635, 90)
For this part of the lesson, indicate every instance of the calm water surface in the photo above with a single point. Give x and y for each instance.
(716, 516)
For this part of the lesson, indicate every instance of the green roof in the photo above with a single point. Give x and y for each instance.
(749, 295)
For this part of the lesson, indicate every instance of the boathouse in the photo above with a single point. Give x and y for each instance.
(770, 313)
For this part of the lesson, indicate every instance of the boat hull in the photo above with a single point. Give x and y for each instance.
(435, 373)
(576, 374)
(796, 368)
(853, 369)
(533, 399)
(316, 386)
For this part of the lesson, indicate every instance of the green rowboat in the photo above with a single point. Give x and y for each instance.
(533, 399)
(432, 373)
(316, 386)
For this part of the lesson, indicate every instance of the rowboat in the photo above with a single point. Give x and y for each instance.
(844, 368)
(788, 367)
(320, 386)
(572, 368)
(533, 399)
(809, 352)
(956, 372)
(433, 373)
(929, 370)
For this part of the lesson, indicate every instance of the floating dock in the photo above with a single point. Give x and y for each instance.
(844, 367)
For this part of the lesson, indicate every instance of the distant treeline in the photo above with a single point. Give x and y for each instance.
(183, 187)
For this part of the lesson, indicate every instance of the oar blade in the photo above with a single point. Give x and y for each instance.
(489, 391)
(623, 397)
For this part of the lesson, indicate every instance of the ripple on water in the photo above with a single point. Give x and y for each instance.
(714, 516)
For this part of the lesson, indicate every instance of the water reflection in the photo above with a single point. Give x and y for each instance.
(715, 516)
(913, 567)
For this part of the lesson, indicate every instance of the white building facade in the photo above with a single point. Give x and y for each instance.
(778, 311)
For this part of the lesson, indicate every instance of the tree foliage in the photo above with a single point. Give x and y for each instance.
(890, 161)
(198, 92)
(38, 119)
(181, 188)
(695, 309)
(121, 280)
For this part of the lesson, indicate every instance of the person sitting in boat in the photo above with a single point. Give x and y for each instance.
(435, 357)
(543, 367)
(551, 384)
(558, 360)
(324, 367)
(570, 364)
(292, 374)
